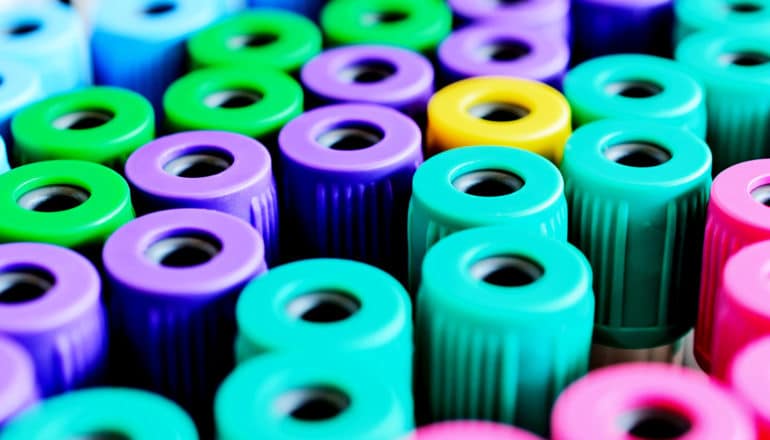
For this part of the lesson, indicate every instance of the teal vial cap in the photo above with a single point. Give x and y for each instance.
(735, 70)
(637, 193)
(635, 86)
(330, 307)
(726, 16)
(481, 186)
(119, 413)
(504, 323)
(290, 396)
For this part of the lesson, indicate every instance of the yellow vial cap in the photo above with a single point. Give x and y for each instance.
(491, 110)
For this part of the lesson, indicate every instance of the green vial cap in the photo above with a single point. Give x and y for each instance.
(70, 203)
(469, 187)
(417, 25)
(264, 37)
(636, 87)
(96, 124)
(103, 413)
(735, 70)
(637, 194)
(751, 17)
(252, 102)
(504, 324)
(330, 307)
(293, 396)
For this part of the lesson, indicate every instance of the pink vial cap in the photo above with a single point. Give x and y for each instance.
(471, 429)
(644, 400)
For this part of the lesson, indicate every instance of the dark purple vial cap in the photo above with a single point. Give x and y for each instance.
(347, 175)
(603, 27)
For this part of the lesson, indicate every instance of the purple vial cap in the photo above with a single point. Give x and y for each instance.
(375, 74)
(133, 255)
(493, 49)
(309, 141)
(215, 170)
(17, 380)
(50, 303)
(549, 15)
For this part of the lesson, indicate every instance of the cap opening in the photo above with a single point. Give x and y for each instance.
(762, 194)
(504, 50)
(745, 59)
(351, 136)
(313, 404)
(53, 198)
(655, 424)
(83, 120)
(233, 99)
(508, 2)
(159, 8)
(498, 111)
(745, 7)
(101, 435)
(637, 154)
(384, 17)
(259, 39)
(24, 27)
(507, 270)
(23, 284)
(184, 249)
(324, 306)
(367, 72)
(488, 183)
(201, 162)
(634, 89)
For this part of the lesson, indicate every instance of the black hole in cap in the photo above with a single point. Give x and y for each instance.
(509, 2)
(54, 198)
(746, 59)
(198, 163)
(254, 40)
(507, 271)
(498, 112)
(655, 424)
(380, 17)
(313, 404)
(368, 71)
(83, 120)
(23, 284)
(762, 194)
(24, 28)
(233, 99)
(505, 50)
(745, 7)
(184, 249)
(323, 306)
(637, 154)
(159, 8)
(351, 136)
(101, 435)
(634, 89)
(488, 183)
